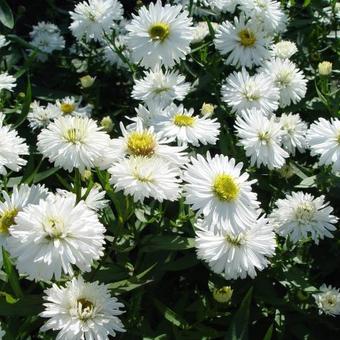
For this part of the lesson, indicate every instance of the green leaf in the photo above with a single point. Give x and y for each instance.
(12, 275)
(9, 298)
(44, 174)
(14, 38)
(26, 106)
(238, 329)
(6, 15)
(166, 242)
(27, 305)
(269, 333)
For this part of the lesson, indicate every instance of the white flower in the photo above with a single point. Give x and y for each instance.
(294, 132)
(71, 106)
(144, 177)
(201, 30)
(7, 82)
(74, 142)
(300, 215)
(328, 300)
(3, 41)
(284, 49)
(92, 19)
(160, 35)
(82, 310)
(266, 12)
(52, 236)
(179, 123)
(12, 147)
(223, 5)
(244, 42)
(261, 138)
(324, 140)
(40, 116)
(288, 78)
(111, 56)
(242, 91)
(140, 141)
(216, 188)
(160, 87)
(236, 255)
(47, 38)
(2, 332)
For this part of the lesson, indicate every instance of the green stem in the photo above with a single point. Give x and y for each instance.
(77, 184)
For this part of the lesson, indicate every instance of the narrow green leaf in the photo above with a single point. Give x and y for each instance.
(44, 174)
(9, 298)
(6, 15)
(27, 305)
(26, 106)
(12, 275)
(269, 333)
(167, 242)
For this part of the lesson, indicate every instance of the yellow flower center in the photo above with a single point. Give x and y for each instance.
(225, 188)
(67, 108)
(305, 212)
(247, 38)
(54, 228)
(159, 31)
(234, 240)
(284, 78)
(85, 309)
(73, 136)
(183, 120)
(141, 143)
(7, 220)
(264, 137)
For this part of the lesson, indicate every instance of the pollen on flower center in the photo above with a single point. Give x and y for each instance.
(251, 92)
(141, 143)
(54, 227)
(67, 108)
(264, 137)
(73, 136)
(183, 120)
(305, 212)
(247, 38)
(7, 220)
(159, 31)
(85, 309)
(225, 188)
(234, 240)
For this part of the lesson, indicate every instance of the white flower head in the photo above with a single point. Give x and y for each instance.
(261, 138)
(160, 35)
(284, 49)
(40, 116)
(201, 30)
(82, 310)
(328, 300)
(300, 216)
(71, 106)
(7, 82)
(160, 87)
(242, 91)
(223, 5)
(236, 255)
(324, 141)
(245, 43)
(12, 148)
(216, 188)
(74, 142)
(54, 235)
(92, 19)
(144, 177)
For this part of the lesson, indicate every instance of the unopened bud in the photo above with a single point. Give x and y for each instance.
(223, 295)
(87, 81)
(107, 124)
(207, 109)
(325, 68)
(86, 175)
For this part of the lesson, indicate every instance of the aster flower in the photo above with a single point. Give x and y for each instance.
(74, 142)
(144, 177)
(54, 235)
(324, 140)
(71, 106)
(201, 30)
(12, 147)
(82, 310)
(328, 300)
(284, 49)
(40, 116)
(288, 78)
(236, 255)
(92, 19)
(216, 188)
(7, 82)
(160, 87)
(294, 132)
(245, 43)
(261, 138)
(223, 5)
(159, 35)
(301, 215)
(242, 91)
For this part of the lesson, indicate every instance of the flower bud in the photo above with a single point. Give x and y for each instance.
(86, 175)
(87, 81)
(325, 68)
(223, 295)
(107, 124)
(207, 109)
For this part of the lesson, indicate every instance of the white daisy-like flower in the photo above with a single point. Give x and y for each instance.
(71, 106)
(216, 188)
(144, 177)
(201, 30)
(324, 140)
(160, 35)
(236, 255)
(181, 124)
(223, 5)
(160, 87)
(268, 13)
(288, 78)
(261, 138)
(284, 49)
(92, 19)
(2, 332)
(300, 216)
(40, 116)
(245, 43)
(74, 142)
(12, 147)
(328, 300)
(294, 132)
(7, 82)
(145, 142)
(3, 41)
(242, 91)
(54, 235)
(82, 310)
(47, 38)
